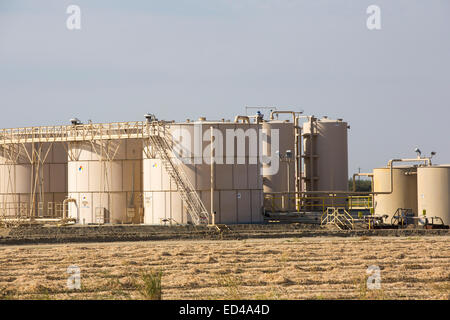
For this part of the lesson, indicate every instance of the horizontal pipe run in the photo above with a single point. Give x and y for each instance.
(361, 175)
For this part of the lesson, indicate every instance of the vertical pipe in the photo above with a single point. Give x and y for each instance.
(212, 178)
(311, 157)
(32, 177)
(298, 166)
(288, 162)
(258, 169)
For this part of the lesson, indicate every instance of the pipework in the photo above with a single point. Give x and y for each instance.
(68, 200)
(245, 119)
(361, 175)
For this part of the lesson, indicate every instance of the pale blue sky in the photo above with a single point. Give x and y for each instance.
(183, 59)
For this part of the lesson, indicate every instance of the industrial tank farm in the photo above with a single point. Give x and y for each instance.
(413, 194)
(287, 167)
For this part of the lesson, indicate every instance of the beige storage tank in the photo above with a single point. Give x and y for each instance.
(105, 191)
(238, 184)
(404, 193)
(433, 188)
(325, 155)
(279, 174)
(17, 176)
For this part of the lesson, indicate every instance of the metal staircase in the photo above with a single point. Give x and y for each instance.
(106, 134)
(338, 217)
(402, 217)
(159, 140)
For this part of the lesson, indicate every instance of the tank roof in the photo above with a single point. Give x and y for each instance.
(398, 167)
(436, 166)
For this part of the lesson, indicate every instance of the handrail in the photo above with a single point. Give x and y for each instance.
(342, 219)
(271, 201)
(160, 140)
(62, 133)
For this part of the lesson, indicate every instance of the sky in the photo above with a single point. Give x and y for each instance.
(183, 59)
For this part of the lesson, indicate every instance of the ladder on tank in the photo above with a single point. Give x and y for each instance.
(194, 205)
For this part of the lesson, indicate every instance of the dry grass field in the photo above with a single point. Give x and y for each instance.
(300, 268)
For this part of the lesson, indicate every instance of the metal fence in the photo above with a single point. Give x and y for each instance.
(289, 202)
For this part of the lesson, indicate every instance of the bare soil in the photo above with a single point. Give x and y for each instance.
(288, 268)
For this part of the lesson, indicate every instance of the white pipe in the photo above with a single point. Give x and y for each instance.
(391, 167)
(294, 113)
(243, 118)
(213, 178)
(297, 155)
(67, 200)
(361, 175)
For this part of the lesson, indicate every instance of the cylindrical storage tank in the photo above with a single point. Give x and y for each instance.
(433, 188)
(16, 179)
(279, 169)
(104, 179)
(325, 150)
(404, 189)
(54, 176)
(19, 178)
(237, 195)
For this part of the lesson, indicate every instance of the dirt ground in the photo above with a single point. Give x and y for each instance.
(297, 268)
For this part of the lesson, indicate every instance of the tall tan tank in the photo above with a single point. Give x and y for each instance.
(404, 193)
(433, 188)
(280, 138)
(325, 149)
(105, 181)
(238, 184)
(18, 180)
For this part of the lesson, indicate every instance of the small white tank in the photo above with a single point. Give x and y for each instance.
(433, 187)
(404, 193)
